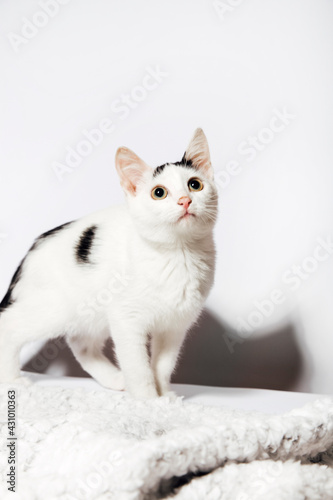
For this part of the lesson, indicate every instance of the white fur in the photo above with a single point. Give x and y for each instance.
(149, 276)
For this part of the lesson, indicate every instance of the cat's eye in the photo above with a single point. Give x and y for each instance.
(195, 184)
(159, 193)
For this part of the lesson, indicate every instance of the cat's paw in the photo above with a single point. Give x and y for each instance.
(144, 392)
(25, 381)
(170, 395)
(20, 381)
(116, 382)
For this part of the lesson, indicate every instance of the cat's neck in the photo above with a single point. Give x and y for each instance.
(174, 243)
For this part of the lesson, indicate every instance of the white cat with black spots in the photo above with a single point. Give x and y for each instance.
(161, 240)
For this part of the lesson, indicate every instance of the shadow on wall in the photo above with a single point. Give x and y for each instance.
(213, 355)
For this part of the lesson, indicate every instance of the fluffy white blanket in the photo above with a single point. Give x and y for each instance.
(80, 444)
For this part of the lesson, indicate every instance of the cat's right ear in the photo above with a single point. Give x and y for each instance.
(130, 169)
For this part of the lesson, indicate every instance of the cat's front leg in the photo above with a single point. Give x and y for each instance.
(131, 350)
(165, 350)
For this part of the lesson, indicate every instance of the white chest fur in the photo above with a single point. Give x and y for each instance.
(171, 285)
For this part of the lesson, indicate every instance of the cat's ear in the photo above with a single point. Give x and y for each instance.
(197, 153)
(130, 169)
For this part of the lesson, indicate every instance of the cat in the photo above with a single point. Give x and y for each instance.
(139, 272)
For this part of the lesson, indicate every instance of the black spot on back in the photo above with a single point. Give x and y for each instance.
(45, 235)
(83, 248)
(183, 163)
(8, 299)
(53, 231)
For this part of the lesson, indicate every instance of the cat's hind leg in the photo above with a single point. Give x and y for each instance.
(15, 331)
(9, 357)
(89, 354)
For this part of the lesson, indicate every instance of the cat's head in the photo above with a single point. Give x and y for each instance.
(176, 201)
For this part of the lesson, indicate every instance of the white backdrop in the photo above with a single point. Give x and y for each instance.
(255, 75)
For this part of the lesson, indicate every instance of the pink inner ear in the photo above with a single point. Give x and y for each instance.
(128, 186)
(132, 174)
(130, 169)
(198, 152)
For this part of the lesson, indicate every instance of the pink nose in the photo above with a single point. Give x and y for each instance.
(185, 201)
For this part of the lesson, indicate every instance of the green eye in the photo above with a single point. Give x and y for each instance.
(159, 193)
(195, 184)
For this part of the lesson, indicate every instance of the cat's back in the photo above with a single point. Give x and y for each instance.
(83, 238)
(81, 250)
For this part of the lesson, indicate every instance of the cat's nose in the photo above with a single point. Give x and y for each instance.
(185, 201)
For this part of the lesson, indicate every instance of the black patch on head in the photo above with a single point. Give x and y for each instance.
(182, 163)
(8, 299)
(185, 162)
(83, 248)
(159, 170)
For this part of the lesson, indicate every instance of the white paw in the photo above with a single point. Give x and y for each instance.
(116, 382)
(143, 396)
(22, 381)
(172, 396)
(144, 392)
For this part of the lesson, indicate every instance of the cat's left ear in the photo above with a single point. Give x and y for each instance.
(197, 153)
(130, 169)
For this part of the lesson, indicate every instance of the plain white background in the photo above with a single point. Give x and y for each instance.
(228, 67)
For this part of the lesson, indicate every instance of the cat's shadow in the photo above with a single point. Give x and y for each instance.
(212, 355)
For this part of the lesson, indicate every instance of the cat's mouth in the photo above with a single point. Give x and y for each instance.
(186, 215)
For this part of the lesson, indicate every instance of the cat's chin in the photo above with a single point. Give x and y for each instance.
(186, 217)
